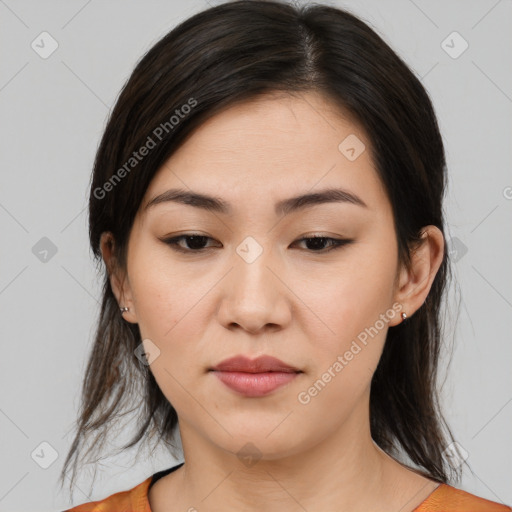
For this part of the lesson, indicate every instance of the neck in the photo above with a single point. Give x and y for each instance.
(345, 471)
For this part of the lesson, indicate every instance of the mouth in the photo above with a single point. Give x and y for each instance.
(254, 378)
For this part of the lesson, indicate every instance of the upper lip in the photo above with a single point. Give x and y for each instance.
(259, 365)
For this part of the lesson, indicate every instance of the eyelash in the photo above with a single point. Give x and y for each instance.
(173, 243)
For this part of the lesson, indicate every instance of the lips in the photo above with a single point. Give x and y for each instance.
(261, 364)
(254, 377)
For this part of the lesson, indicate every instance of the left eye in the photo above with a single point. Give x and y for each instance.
(196, 243)
(317, 241)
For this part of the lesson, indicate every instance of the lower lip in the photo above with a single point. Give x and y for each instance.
(255, 384)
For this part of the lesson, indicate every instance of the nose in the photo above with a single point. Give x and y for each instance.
(255, 297)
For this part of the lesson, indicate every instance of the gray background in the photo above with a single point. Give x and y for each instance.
(53, 112)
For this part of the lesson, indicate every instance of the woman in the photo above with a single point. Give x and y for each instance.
(267, 200)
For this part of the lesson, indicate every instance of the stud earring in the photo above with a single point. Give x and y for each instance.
(404, 316)
(124, 309)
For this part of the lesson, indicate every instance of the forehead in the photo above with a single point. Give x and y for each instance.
(273, 147)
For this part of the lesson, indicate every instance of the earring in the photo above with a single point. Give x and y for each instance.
(404, 316)
(124, 309)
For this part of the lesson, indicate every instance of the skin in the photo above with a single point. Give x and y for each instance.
(301, 306)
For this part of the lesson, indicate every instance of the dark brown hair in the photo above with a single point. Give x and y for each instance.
(235, 52)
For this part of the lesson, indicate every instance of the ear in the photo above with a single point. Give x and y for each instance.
(414, 284)
(118, 280)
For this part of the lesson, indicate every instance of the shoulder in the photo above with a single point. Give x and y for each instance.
(133, 500)
(450, 499)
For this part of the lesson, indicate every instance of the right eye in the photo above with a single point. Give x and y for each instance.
(194, 242)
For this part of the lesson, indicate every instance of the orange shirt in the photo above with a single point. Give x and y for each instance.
(444, 498)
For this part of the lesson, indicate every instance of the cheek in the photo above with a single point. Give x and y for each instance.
(355, 319)
(162, 294)
(352, 310)
(347, 299)
(172, 312)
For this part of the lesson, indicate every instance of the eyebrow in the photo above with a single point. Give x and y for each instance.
(283, 207)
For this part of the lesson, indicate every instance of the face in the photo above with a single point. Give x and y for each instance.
(253, 281)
